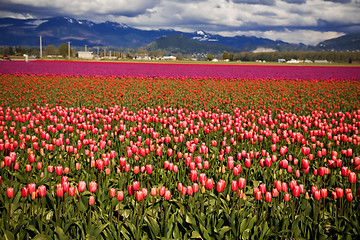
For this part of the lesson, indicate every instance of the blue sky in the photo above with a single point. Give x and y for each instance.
(306, 21)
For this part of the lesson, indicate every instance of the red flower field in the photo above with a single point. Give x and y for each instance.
(178, 151)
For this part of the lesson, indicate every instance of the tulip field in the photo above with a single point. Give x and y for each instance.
(161, 157)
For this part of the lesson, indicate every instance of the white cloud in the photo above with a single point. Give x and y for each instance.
(309, 37)
(308, 21)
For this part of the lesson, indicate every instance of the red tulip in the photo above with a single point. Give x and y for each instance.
(284, 187)
(59, 192)
(39, 165)
(31, 158)
(234, 186)
(50, 169)
(144, 191)
(317, 195)
(275, 193)
(119, 195)
(180, 186)
(247, 162)
(162, 191)
(28, 167)
(322, 171)
(71, 191)
(262, 188)
(167, 195)
(131, 190)
(195, 187)
(278, 185)
(59, 170)
(305, 163)
(189, 190)
(91, 200)
(339, 192)
(81, 186)
(284, 164)
(206, 165)
(220, 185)
(334, 195)
(345, 171)
(349, 197)
(352, 177)
(149, 169)
(258, 195)
(139, 196)
(153, 192)
(286, 197)
(24, 192)
(296, 191)
(122, 161)
(209, 184)
(92, 186)
(31, 188)
(193, 175)
(136, 185)
(10, 192)
(112, 192)
(42, 191)
(268, 197)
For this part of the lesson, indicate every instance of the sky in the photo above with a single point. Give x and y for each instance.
(294, 21)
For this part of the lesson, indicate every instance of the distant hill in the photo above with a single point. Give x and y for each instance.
(54, 31)
(350, 42)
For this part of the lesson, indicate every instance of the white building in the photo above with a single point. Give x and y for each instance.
(85, 55)
(168, 58)
(293, 61)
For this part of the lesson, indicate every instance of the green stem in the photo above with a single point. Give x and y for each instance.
(9, 213)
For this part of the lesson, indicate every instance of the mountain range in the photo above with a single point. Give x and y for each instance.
(57, 30)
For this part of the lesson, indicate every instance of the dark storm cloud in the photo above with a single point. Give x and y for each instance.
(338, 1)
(295, 1)
(260, 2)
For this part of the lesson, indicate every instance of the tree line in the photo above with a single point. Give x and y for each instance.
(339, 57)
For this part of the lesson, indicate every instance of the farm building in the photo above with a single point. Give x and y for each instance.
(168, 58)
(85, 55)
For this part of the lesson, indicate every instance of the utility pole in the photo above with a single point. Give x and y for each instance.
(98, 51)
(85, 48)
(40, 47)
(68, 50)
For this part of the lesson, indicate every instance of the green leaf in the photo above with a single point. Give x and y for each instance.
(264, 230)
(61, 234)
(246, 234)
(243, 225)
(49, 215)
(153, 225)
(196, 234)
(223, 230)
(41, 237)
(97, 231)
(8, 235)
(32, 228)
(204, 232)
(252, 222)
